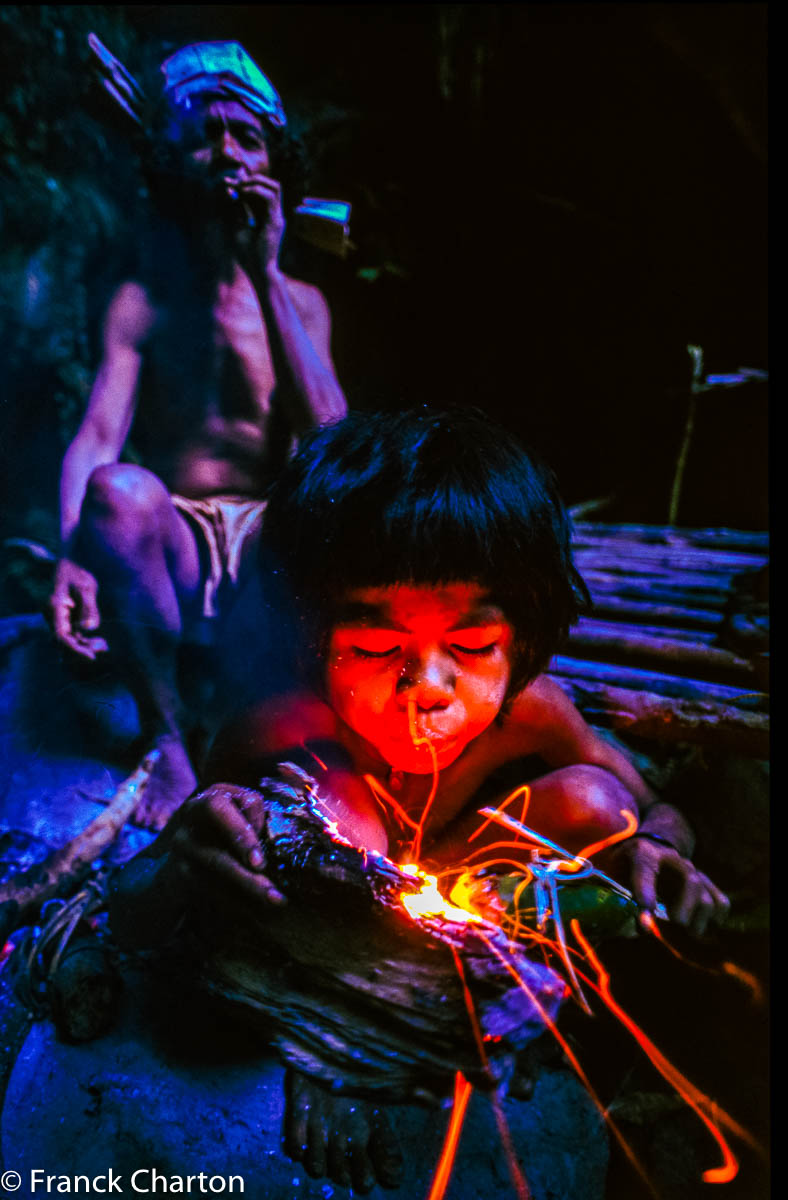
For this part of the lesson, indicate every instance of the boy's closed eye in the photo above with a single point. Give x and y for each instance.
(480, 639)
(375, 643)
(383, 643)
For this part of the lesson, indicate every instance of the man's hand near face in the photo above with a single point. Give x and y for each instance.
(258, 238)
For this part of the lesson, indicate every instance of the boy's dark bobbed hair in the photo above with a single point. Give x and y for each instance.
(426, 497)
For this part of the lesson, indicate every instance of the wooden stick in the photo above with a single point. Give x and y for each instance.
(660, 559)
(64, 870)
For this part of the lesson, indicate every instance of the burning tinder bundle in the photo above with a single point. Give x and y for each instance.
(351, 987)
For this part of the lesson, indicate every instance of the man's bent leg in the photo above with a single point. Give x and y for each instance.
(146, 560)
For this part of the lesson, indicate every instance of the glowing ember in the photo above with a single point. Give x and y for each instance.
(428, 902)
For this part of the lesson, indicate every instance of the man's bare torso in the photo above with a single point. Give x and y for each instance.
(207, 411)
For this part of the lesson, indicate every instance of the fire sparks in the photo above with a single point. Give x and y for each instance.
(700, 1103)
(540, 862)
(440, 1180)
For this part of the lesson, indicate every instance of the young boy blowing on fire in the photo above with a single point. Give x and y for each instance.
(429, 557)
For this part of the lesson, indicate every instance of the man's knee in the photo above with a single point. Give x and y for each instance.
(124, 495)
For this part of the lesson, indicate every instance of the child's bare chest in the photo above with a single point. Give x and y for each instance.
(457, 785)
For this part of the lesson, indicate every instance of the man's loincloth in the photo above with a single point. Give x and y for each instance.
(221, 525)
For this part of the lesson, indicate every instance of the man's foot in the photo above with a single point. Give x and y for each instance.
(349, 1140)
(173, 779)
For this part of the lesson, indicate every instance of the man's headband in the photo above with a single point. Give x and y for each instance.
(222, 69)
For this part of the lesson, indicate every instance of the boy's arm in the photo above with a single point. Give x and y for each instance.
(564, 739)
(213, 835)
(302, 729)
(219, 833)
(659, 852)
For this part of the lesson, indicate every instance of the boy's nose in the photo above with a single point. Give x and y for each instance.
(428, 681)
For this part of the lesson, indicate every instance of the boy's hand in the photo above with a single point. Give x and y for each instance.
(659, 873)
(221, 831)
(347, 1139)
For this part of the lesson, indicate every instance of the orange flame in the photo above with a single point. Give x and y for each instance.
(428, 902)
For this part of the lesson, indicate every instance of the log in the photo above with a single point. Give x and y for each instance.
(660, 614)
(64, 870)
(663, 591)
(663, 719)
(664, 646)
(674, 557)
(345, 984)
(635, 631)
(676, 686)
(661, 572)
(755, 540)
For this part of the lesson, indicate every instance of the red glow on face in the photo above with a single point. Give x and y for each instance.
(440, 1180)
(445, 648)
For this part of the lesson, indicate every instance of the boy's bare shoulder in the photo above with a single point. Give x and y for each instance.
(543, 720)
(539, 706)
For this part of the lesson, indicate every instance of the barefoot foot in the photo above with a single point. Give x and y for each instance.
(348, 1139)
